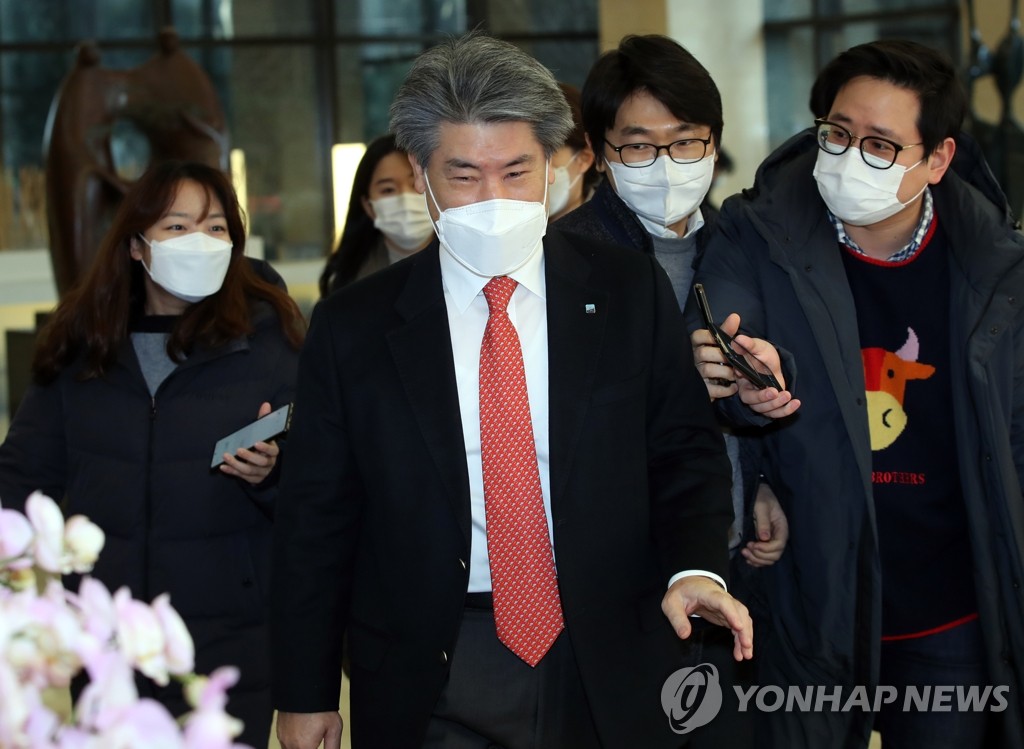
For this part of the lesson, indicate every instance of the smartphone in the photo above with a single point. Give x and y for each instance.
(753, 369)
(264, 429)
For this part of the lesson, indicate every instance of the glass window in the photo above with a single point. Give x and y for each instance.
(790, 74)
(28, 84)
(505, 17)
(291, 83)
(786, 10)
(399, 17)
(368, 76)
(569, 61)
(852, 7)
(800, 39)
(269, 98)
(60, 20)
(933, 31)
(231, 19)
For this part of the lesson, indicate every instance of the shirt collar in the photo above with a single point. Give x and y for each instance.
(464, 286)
(927, 214)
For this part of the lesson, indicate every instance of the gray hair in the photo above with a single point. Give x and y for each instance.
(477, 79)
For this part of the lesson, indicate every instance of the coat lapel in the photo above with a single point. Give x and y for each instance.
(816, 268)
(575, 338)
(422, 351)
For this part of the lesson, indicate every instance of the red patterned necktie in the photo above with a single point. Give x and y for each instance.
(527, 607)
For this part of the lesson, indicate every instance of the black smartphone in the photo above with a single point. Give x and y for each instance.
(264, 429)
(743, 361)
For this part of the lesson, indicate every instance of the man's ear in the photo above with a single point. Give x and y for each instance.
(418, 181)
(940, 159)
(586, 157)
(598, 159)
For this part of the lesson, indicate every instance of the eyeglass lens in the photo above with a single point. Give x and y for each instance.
(877, 152)
(645, 154)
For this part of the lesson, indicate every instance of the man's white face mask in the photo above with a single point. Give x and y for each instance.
(858, 194)
(493, 237)
(665, 192)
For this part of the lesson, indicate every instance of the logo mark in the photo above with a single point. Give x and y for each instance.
(691, 697)
(886, 374)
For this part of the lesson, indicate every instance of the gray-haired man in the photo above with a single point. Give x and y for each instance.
(505, 482)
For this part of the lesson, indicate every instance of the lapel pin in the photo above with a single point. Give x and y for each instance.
(590, 309)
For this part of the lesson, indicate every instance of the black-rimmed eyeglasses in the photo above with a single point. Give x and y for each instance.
(639, 155)
(876, 151)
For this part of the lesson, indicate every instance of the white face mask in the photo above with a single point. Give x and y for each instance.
(558, 197)
(493, 237)
(404, 220)
(858, 194)
(189, 266)
(664, 192)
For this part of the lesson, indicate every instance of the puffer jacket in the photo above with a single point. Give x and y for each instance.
(139, 467)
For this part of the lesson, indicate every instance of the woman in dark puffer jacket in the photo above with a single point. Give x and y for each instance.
(171, 341)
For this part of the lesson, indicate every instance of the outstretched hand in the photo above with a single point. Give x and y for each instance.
(702, 596)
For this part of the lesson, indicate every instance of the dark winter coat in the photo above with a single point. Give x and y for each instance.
(139, 467)
(607, 218)
(775, 260)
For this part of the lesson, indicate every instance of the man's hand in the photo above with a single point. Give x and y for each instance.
(307, 730)
(719, 378)
(775, 404)
(770, 527)
(252, 466)
(702, 596)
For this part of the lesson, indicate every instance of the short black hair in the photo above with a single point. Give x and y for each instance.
(661, 67)
(576, 140)
(926, 72)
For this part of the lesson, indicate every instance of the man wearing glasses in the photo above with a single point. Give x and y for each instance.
(653, 116)
(877, 253)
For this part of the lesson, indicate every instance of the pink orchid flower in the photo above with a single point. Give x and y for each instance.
(144, 723)
(179, 650)
(140, 636)
(83, 541)
(15, 539)
(111, 689)
(48, 523)
(16, 704)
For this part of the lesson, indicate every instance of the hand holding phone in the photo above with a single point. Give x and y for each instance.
(263, 429)
(746, 364)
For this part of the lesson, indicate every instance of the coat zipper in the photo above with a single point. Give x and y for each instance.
(147, 509)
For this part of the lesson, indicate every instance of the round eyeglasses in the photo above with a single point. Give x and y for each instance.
(639, 155)
(877, 152)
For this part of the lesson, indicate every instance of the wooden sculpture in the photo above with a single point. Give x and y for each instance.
(169, 99)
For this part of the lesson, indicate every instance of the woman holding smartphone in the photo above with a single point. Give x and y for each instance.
(172, 340)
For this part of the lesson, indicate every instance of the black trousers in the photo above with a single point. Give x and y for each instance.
(494, 700)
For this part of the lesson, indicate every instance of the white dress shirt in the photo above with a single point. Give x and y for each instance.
(467, 319)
